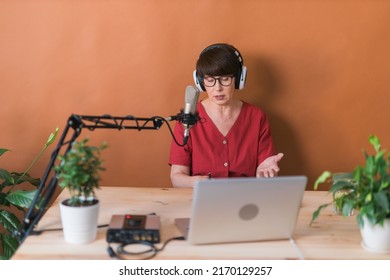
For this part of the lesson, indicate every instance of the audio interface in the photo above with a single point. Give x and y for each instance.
(133, 228)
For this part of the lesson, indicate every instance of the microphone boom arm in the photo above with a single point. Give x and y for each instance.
(44, 194)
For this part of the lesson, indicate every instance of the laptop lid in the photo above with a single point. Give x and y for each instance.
(244, 209)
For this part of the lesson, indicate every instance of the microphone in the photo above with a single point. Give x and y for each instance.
(190, 116)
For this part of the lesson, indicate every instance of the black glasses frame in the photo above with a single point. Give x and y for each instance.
(219, 80)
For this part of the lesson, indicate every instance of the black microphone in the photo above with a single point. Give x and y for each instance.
(190, 116)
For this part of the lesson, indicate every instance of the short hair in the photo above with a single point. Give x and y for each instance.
(219, 60)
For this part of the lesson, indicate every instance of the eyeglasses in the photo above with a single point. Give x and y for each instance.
(223, 81)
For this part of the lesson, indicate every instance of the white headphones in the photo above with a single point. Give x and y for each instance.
(240, 77)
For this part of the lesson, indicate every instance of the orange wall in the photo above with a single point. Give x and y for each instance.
(320, 69)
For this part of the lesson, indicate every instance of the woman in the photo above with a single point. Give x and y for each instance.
(232, 138)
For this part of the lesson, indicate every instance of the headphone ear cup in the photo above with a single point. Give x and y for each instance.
(198, 83)
(241, 83)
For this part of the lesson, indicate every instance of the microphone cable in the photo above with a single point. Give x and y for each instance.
(178, 118)
(170, 130)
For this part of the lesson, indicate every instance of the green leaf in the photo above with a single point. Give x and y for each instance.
(368, 198)
(348, 207)
(357, 173)
(21, 198)
(340, 186)
(359, 219)
(2, 151)
(10, 244)
(52, 137)
(317, 212)
(3, 199)
(382, 200)
(9, 221)
(369, 212)
(322, 179)
(374, 140)
(380, 155)
(385, 184)
(49, 141)
(370, 165)
(6, 176)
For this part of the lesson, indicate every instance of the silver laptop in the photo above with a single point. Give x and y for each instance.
(243, 209)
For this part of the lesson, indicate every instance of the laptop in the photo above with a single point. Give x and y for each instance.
(243, 209)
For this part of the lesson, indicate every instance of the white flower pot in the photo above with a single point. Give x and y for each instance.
(79, 223)
(375, 237)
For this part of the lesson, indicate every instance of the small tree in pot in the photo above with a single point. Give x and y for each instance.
(79, 172)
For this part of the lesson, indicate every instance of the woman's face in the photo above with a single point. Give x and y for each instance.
(221, 93)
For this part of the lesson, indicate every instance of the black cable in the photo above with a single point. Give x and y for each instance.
(38, 232)
(150, 253)
(172, 134)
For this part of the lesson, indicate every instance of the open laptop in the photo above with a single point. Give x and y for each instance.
(243, 209)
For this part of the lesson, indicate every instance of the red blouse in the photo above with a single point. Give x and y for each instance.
(247, 144)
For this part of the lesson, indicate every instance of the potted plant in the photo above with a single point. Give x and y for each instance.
(79, 172)
(368, 192)
(17, 190)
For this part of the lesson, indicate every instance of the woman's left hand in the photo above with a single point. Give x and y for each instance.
(269, 167)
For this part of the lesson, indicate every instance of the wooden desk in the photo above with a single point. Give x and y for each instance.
(331, 237)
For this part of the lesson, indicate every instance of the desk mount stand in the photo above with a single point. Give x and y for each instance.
(45, 194)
